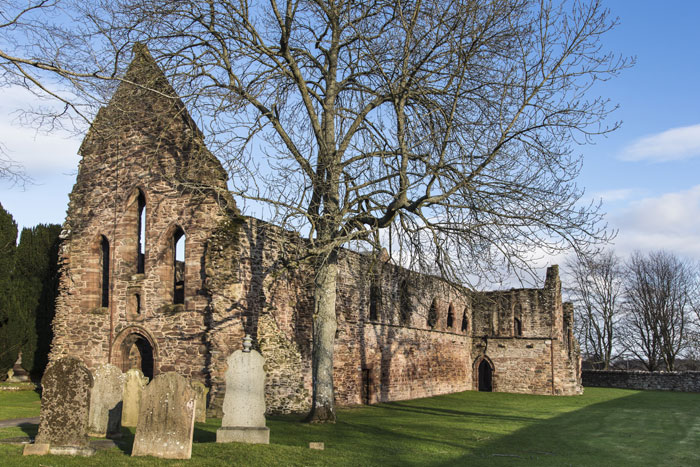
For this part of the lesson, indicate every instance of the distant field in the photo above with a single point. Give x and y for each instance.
(602, 427)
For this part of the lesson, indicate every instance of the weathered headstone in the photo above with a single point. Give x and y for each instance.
(106, 402)
(201, 391)
(134, 382)
(65, 403)
(244, 401)
(166, 418)
(19, 374)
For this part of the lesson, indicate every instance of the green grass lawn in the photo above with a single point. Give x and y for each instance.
(19, 404)
(602, 427)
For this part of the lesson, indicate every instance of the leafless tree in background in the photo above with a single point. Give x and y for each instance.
(449, 122)
(659, 293)
(596, 286)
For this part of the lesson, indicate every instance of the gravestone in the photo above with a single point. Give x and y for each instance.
(166, 418)
(134, 382)
(19, 374)
(244, 401)
(201, 409)
(106, 402)
(65, 403)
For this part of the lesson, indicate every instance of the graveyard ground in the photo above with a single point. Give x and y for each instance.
(602, 427)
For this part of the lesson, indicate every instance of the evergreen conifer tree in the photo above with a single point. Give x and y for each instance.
(10, 327)
(36, 282)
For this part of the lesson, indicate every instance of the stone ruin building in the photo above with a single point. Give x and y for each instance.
(131, 295)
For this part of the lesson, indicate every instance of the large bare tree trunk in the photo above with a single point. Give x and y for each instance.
(324, 327)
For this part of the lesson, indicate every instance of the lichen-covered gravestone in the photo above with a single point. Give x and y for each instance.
(166, 418)
(201, 390)
(65, 402)
(106, 402)
(134, 383)
(244, 401)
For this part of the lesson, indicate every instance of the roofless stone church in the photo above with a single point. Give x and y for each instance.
(161, 272)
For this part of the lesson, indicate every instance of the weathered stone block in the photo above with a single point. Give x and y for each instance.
(201, 392)
(106, 402)
(134, 382)
(166, 418)
(65, 402)
(244, 401)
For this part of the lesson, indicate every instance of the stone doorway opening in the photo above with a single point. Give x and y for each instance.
(367, 386)
(485, 376)
(135, 350)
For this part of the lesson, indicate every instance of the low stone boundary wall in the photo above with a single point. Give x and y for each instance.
(22, 386)
(682, 381)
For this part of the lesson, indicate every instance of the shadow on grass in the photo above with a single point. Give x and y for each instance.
(642, 428)
(29, 429)
(126, 442)
(205, 434)
(399, 433)
(450, 412)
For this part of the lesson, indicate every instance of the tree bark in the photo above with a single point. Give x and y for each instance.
(324, 327)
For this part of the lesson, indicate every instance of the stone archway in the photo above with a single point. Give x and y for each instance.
(134, 348)
(483, 373)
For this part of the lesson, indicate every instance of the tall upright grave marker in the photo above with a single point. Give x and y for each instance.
(244, 401)
(166, 418)
(65, 403)
(106, 402)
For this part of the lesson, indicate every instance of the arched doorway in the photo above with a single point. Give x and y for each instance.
(140, 355)
(134, 349)
(485, 375)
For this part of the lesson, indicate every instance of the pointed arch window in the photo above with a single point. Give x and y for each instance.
(450, 317)
(517, 327)
(432, 314)
(465, 321)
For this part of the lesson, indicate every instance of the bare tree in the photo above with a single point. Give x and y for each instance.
(11, 15)
(596, 287)
(659, 303)
(449, 122)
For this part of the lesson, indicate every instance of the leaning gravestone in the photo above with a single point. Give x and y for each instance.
(166, 418)
(201, 391)
(134, 382)
(65, 402)
(106, 402)
(244, 401)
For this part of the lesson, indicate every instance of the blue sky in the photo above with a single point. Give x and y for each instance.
(647, 173)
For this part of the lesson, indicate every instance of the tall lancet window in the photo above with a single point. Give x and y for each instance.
(179, 266)
(141, 259)
(104, 259)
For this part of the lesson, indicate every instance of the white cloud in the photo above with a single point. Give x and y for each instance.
(670, 145)
(36, 151)
(670, 221)
(610, 196)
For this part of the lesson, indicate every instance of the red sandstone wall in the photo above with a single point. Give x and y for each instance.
(157, 150)
(246, 276)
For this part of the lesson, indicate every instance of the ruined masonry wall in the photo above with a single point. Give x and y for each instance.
(681, 381)
(255, 290)
(400, 334)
